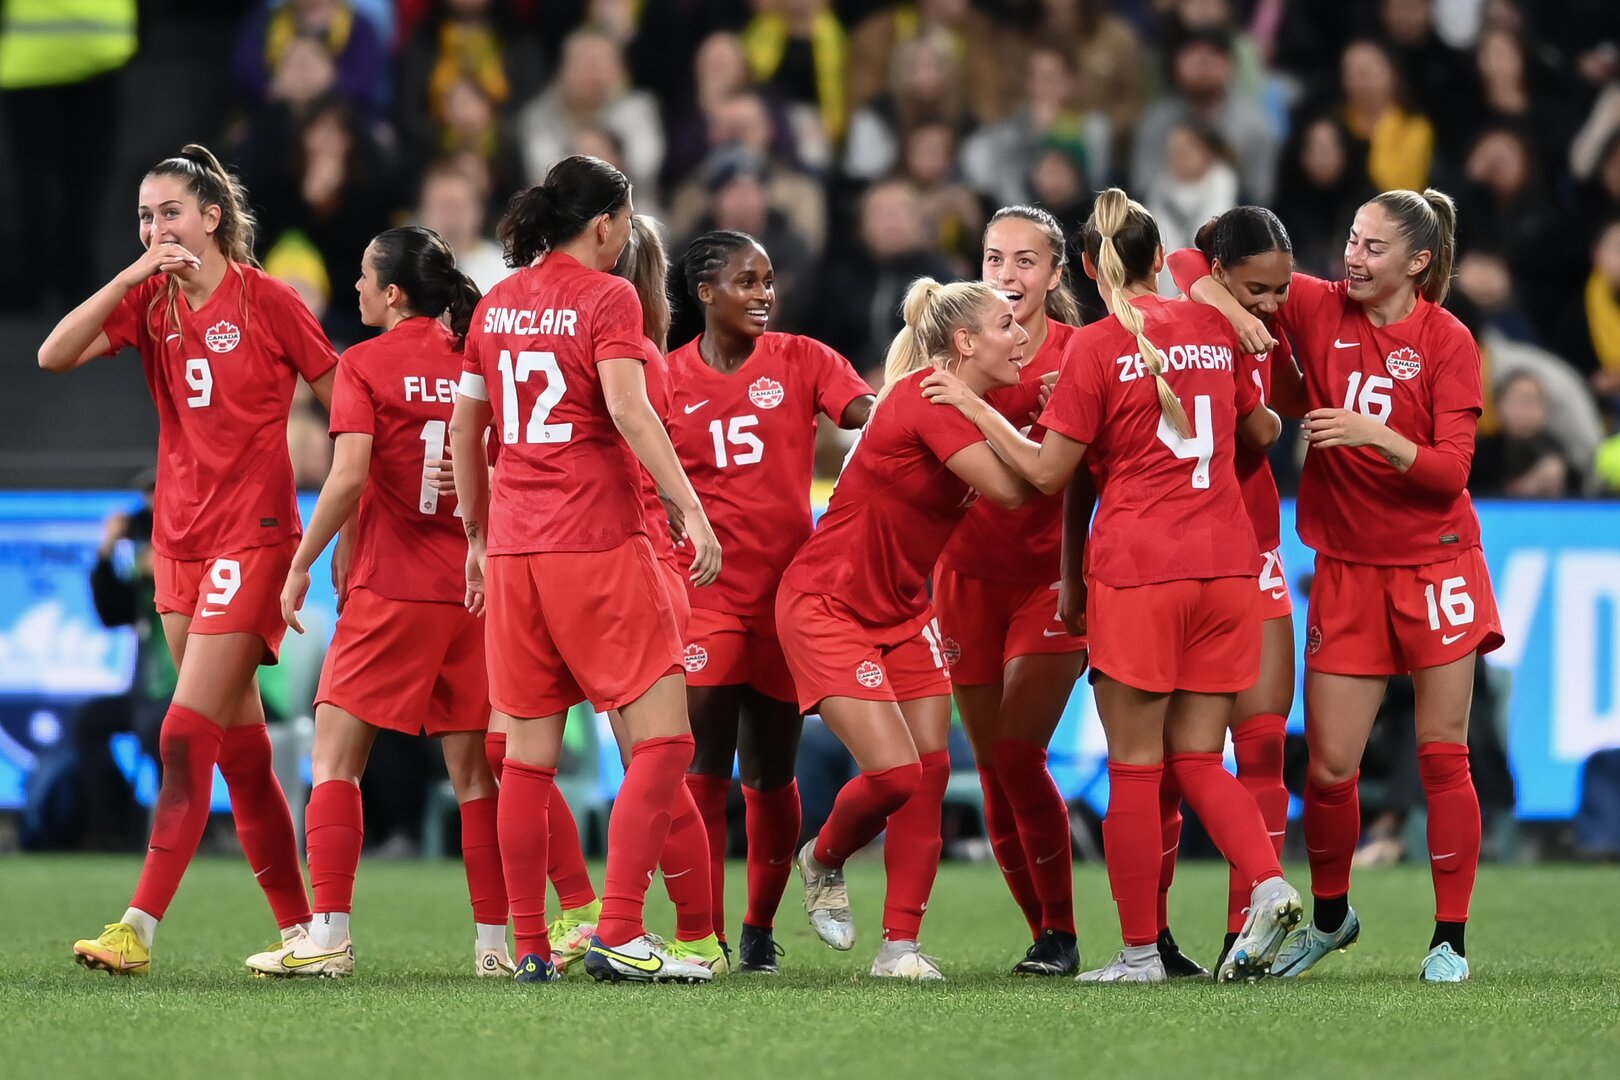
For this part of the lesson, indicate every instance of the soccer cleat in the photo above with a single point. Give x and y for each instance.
(118, 951)
(571, 934)
(1302, 949)
(299, 956)
(1053, 953)
(1126, 968)
(494, 963)
(1443, 965)
(905, 960)
(826, 900)
(1177, 964)
(711, 952)
(1274, 910)
(643, 959)
(533, 969)
(759, 951)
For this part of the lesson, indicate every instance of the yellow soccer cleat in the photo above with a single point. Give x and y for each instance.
(118, 951)
(571, 934)
(708, 951)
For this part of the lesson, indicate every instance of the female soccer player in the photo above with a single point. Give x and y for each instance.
(1171, 612)
(1392, 389)
(576, 605)
(407, 655)
(858, 630)
(222, 344)
(743, 420)
(1247, 251)
(1013, 663)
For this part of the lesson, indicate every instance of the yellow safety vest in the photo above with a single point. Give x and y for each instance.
(57, 42)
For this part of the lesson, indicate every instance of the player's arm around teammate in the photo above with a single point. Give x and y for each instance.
(1246, 256)
(1393, 388)
(222, 345)
(743, 421)
(1171, 612)
(557, 553)
(997, 586)
(858, 630)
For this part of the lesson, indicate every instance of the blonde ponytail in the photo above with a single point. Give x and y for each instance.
(1108, 218)
(933, 313)
(1428, 222)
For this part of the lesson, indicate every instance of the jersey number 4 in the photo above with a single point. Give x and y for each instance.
(1200, 448)
(537, 430)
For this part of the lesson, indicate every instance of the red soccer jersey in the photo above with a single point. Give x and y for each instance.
(400, 389)
(564, 479)
(652, 507)
(1023, 545)
(1253, 467)
(895, 506)
(747, 441)
(1420, 376)
(223, 385)
(1170, 508)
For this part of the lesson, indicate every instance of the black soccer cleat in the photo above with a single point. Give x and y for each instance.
(1054, 953)
(1177, 964)
(758, 951)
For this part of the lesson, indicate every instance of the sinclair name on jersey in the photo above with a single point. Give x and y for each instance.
(559, 322)
(1177, 358)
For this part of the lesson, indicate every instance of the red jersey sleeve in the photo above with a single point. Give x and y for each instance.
(1076, 408)
(1442, 468)
(354, 409)
(942, 428)
(1017, 403)
(1187, 266)
(1309, 298)
(616, 323)
(836, 383)
(126, 326)
(302, 340)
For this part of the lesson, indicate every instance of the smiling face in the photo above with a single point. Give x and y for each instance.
(1260, 282)
(169, 214)
(995, 351)
(739, 300)
(1019, 264)
(1378, 262)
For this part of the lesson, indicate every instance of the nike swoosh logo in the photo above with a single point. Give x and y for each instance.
(171, 337)
(261, 873)
(690, 409)
(780, 862)
(1447, 639)
(205, 613)
(683, 873)
(648, 964)
(1049, 858)
(1447, 855)
(305, 961)
(1278, 594)
(1054, 633)
(1337, 344)
(1279, 832)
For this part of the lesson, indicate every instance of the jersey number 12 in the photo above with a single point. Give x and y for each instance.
(537, 431)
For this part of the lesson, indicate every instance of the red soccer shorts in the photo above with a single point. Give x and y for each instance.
(407, 665)
(562, 626)
(1202, 636)
(235, 593)
(1275, 600)
(1392, 620)
(831, 654)
(988, 623)
(731, 650)
(679, 603)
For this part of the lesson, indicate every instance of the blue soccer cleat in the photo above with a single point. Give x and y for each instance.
(536, 969)
(1303, 948)
(1443, 965)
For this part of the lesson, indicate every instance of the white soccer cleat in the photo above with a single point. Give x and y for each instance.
(300, 957)
(905, 960)
(1274, 910)
(644, 959)
(826, 900)
(1129, 966)
(495, 964)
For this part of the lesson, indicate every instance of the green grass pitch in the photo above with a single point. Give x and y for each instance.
(1544, 1002)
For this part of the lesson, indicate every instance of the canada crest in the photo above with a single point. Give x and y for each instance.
(222, 337)
(952, 651)
(1404, 363)
(766, 392)
(695, 658)
(869, 675)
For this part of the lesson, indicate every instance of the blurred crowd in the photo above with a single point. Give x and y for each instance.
(866, 142)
